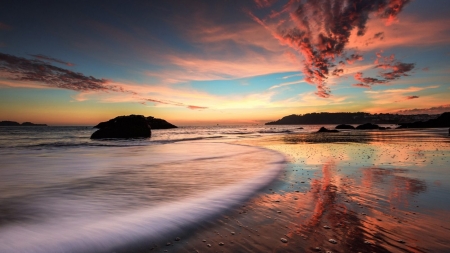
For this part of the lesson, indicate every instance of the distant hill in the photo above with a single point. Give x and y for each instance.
(349, 118)
(13, 123)
(441, 121)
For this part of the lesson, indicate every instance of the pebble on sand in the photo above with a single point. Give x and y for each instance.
(326, 227)
(221, 243)
(284, 240)
(209, 245)
(332, 241)
(177, 239)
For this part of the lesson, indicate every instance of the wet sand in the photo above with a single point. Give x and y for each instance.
(380, 191)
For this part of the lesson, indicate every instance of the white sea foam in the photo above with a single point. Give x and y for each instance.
(143, 225)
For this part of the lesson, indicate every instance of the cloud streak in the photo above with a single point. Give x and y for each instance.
(48, 58)
(20, 69)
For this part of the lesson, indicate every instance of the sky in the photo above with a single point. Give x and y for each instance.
(221, 62)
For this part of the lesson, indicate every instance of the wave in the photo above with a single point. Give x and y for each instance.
(274, 131)
(136, 228)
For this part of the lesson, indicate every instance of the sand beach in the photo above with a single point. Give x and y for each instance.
(370, 191)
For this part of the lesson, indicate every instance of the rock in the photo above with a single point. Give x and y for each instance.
(332, 241)
(132, 126)
(9, 123)
(159, 123)
(367, 126)
(344, 126)
(221, 243)
(284, 240)
(441, 121)
(325, 130)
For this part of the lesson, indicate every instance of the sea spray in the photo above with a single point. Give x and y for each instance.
(122, 227)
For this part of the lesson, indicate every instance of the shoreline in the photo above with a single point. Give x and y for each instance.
(336, 196)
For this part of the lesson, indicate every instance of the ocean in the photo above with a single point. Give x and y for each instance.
(60, 191)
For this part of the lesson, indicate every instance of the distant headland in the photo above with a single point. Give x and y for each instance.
(13, 123)
(350, 118)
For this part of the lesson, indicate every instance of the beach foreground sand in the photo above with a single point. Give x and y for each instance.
(346, 192)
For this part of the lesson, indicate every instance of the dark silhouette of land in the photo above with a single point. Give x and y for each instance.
(441, 121)
(13, 123)
(350, 118)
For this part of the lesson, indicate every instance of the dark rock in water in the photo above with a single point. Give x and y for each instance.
(367, 126)
(9, 123)
(344, 126)
(159, 123)
(441, 121)
(132, 126)
(325, 130)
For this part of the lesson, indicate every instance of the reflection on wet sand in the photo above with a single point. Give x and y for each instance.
(380, 196)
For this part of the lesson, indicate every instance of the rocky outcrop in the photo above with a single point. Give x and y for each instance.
(159, 123)
(441, 121)
(326, 130)
(9, 123)
(344, 126)
(368, 126)
(13, 123)
(125, 127)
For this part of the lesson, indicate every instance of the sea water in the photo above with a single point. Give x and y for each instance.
(62, 192)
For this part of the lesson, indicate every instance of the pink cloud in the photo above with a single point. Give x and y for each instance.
(193, 107)
(320, 31)
(425, 32)
(392, 70)
(366, 82)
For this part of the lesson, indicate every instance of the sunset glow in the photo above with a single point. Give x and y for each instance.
(221, 62)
